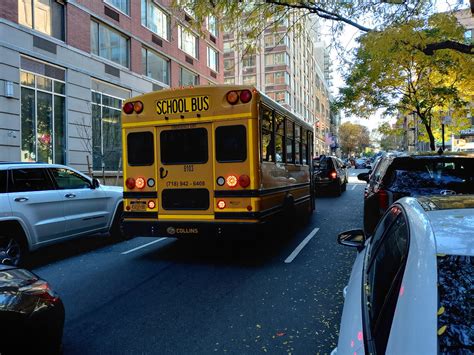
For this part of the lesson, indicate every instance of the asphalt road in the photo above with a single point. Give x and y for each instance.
(282, 295)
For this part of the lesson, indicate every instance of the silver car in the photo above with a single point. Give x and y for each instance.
(42, 204)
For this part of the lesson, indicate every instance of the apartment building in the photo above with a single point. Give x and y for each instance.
(66, 67)
(285, 67)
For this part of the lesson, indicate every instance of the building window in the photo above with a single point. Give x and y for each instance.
(212, 59)
(187, 42)
(122, 5)
(46, 16)
(43, 113)
(277, 78)
(106, 133)
(229, 64)
(229, 81)
(155, 66)
(109, 44)
(277, 58)
(155, 19)
(249, 80)
(188, 78)
(212, 26)
(249, 60)
(282, 97)
(228, 47)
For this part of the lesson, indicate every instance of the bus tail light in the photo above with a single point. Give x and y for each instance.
(140, 183)
(138, 106)
(151, 204)
(130, 183)
(128, 108)
(150, 182)
(221, 204)
(220, 181)
(244, 180)
(232, 180)
(245, 96)
(232, 97)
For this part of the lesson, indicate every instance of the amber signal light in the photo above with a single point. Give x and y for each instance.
(140, 182)
(232, 97)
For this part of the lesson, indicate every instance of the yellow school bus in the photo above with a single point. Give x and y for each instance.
(211, 161)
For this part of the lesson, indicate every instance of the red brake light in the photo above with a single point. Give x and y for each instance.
(232, 97)
(333, 174)
(130, 183)
(383, 199)
(221, 204)
(41, 289)
(138, 106)
(244, 180)
(245, 96)
(232, 181)
(151, 204)
(140, 183)
(128, 108)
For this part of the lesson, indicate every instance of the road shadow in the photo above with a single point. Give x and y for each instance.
(67, 249)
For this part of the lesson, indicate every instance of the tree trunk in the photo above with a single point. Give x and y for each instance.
(432, 138)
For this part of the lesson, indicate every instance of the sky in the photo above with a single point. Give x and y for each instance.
(348, 41)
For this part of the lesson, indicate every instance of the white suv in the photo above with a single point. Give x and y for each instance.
(42, 204)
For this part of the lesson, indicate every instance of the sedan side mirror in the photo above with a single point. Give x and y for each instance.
(368, 167)
(95, 183)
(352, 238)
(363, 177)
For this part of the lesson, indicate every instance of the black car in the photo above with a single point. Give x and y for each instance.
(396, 176)
(330, 174)
(31, 314)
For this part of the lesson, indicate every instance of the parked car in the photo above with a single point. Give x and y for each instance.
(42, 204)
(396, 176)
(330, 174)
(31, 314)
(410, 290)
(362, 163)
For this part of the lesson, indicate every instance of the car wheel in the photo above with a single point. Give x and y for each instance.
(115, 230)
(344, 186)
(12, 251)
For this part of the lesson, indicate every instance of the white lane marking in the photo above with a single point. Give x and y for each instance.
(301, 246)
(353, 187)
(142, 246)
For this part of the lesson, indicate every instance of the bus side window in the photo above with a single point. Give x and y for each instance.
(304, 147)
(290, 157)
(268, 146)
(297, 144)
(279, 135)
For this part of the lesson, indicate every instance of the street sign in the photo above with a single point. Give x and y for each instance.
(446, 120)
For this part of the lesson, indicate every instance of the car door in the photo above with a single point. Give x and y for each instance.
(5, 209)
(35, 200)
(383, 274)
(85, 208)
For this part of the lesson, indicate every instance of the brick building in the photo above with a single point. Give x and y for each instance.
(66, 66)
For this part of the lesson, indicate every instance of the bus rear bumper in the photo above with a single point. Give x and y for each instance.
(180, 229)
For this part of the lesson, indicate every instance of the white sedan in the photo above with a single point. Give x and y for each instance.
(411, 287)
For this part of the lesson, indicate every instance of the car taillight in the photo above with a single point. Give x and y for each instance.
(245, 96)
(41, 289)
(221, 204)
(244, 180)
(140, 182)
(128, 108)
(383, 199)
(232, 180)
(333, 174)
(232, 97)
(130, 183)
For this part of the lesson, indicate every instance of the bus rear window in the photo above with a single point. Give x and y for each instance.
(231, 144)
(140, 149)
(184, 146)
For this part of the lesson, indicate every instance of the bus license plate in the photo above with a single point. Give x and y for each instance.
(138, 206)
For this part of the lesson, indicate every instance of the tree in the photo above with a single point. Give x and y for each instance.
(353, 138)
(390, 138)
(390, 72)
(247, 20)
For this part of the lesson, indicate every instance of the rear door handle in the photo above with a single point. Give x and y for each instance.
(21, 199)
(69, 195)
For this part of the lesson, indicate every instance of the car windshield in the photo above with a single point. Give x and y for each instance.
(430, 175)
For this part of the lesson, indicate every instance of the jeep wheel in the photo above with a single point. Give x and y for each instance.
(115, 230)
(12, 251)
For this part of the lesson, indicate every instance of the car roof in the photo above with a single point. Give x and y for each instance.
(452, 222)
(9, 165)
